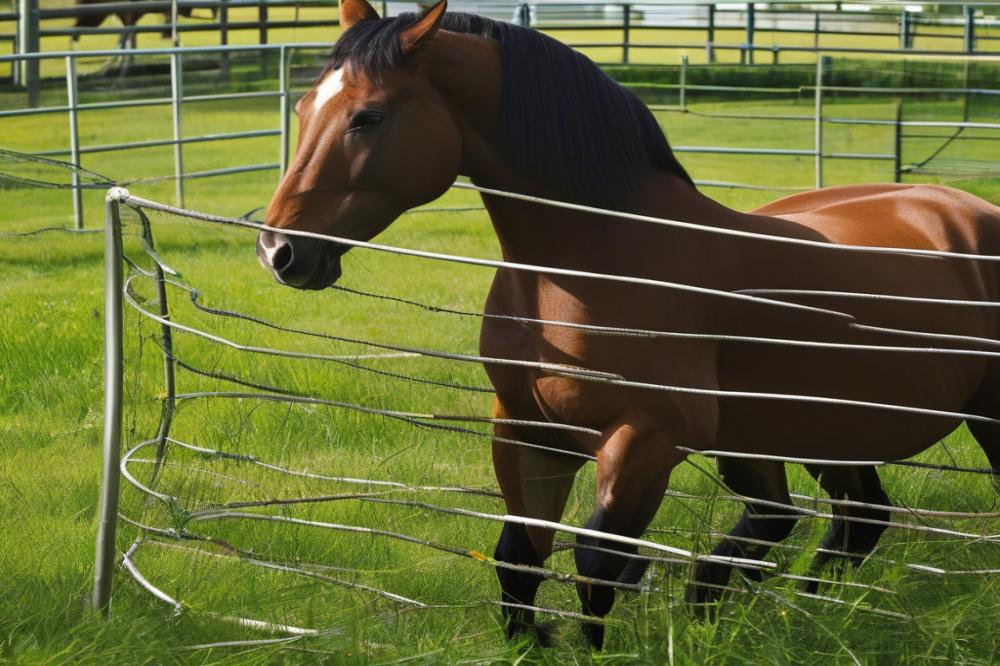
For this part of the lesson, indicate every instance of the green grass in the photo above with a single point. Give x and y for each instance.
(50, 424)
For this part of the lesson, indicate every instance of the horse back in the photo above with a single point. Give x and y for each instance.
(931, 217)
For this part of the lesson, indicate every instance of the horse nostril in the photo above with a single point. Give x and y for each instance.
(282, 257)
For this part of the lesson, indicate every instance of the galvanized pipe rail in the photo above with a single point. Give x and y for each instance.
(283, 132)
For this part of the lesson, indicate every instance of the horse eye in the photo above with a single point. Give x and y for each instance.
(366, 119)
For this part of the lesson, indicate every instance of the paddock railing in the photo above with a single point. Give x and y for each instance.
(184, 531)
(976, 29)
(817, 89)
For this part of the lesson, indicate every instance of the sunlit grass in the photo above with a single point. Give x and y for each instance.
(50, 423)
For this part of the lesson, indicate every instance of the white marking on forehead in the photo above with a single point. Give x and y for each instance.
(328, 88)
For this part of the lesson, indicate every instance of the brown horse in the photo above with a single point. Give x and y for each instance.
(407, 104)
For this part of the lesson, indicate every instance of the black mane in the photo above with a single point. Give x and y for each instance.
(564, 121)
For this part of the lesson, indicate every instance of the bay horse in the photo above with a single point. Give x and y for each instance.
(407, 104)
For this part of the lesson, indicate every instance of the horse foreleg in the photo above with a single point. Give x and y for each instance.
(754, 535)
(535, 484)
(633, 469)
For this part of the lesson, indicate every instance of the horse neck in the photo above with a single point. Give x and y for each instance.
(466, 71)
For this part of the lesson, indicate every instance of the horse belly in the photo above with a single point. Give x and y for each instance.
(826, 431)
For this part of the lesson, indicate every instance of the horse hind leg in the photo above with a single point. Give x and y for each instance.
(856, 530)
(766, 521)
(986, 402)
(987, 435)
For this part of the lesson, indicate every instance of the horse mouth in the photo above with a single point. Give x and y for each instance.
(326, 274)
(300, 263)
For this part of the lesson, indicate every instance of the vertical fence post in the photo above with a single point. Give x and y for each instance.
(110, 480)
(224, 38)
(284, 109)
(816, 29)
(262, 20)
(524, 15)
(751, 19)
(970, 28)
(27, 42)
(175, 16)
(710, 36)
(385, 8)
(626, 31)
(72, 101)
(176, 99)
(897, 141)
(265, 54)
(904, 29)
(818, 147)
(682, 100)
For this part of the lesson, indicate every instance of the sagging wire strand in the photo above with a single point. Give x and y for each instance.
(229, 514)
(272, 393)
(383, 500)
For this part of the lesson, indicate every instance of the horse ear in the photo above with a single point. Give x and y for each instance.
(353, 11)
(423, 28)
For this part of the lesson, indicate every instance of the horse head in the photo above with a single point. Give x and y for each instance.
(374, 141)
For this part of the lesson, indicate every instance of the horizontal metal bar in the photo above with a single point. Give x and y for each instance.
(125, 104)
(240, 95)
(158, 6)
(183, 50)
(111, 147)
(190, 27)
(229, 171)
(910, 53)
(858, 156)
(726, 150)
(909, 91)
(696, 86)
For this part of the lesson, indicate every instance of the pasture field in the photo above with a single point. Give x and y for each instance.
(50, 425)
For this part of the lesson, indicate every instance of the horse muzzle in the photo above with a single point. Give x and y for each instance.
(303, 263)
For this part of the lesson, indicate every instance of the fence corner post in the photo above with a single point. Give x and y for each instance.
(113, 368)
